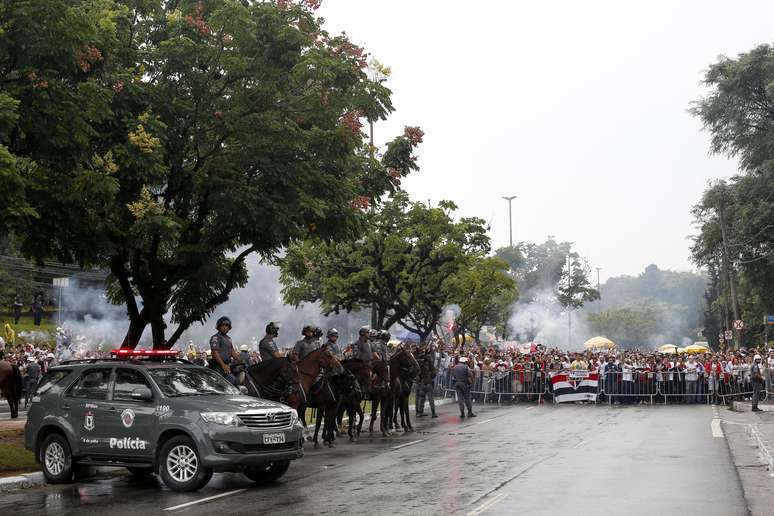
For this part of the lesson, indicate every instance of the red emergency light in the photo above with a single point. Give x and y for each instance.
(144, 353)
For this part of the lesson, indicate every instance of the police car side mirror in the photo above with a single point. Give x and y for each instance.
(142, 394)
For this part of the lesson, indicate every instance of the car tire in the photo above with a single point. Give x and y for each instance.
(181, 467)
(56, 459)
(140, 472)
(267, 472)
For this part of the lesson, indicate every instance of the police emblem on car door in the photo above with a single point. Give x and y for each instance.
(88, 422)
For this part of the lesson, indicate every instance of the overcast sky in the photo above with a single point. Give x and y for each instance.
(577, 107)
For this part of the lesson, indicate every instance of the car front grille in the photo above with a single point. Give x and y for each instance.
(266, 421)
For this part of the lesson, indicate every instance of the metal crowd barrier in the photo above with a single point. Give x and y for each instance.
(520, 386)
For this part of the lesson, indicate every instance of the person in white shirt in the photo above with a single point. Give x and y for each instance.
(691, 379)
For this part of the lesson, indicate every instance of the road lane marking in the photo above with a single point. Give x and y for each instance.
(529, 408)
(717, 430)
(486, 505)
(485, 421)
(406, 444)
(579, 444)
(209, 498)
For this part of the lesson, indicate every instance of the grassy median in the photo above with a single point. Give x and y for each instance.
(14, 458)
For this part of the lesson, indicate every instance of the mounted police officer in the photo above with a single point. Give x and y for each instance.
(427, 373)
(361, 349)
(268, 345)
(223, 352)
(306, 345)
(463, 379)
(333, 343)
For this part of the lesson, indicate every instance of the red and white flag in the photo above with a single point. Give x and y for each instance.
(575, 386)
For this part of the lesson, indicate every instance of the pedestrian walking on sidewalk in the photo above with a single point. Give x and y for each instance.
(757, 382)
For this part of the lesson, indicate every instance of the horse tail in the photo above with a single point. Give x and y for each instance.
(16, 383)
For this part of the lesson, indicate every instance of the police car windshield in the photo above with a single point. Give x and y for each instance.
(190, 381)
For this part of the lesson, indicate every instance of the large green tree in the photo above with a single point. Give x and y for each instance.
(738, 112)
(403, 265)
(168, 140)
(485, 293)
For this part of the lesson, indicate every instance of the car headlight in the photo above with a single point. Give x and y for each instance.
(221, 418)
(293, 417)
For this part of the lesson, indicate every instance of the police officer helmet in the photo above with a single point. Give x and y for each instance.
(307, 328)
(384, 335)
(272, 329)
(364, 330)
(223, 320)
(318, 332)
(333, 332)
(374, 334)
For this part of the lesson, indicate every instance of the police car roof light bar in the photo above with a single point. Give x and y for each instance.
(144, 353)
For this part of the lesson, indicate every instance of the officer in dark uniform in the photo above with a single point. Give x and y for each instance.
(361, 349)
(306, 345)
(268, 345)
(223, 352)
(333, 342)
(427, 373)
(463, 379)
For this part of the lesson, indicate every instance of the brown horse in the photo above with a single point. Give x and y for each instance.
(381, 399)
(11, 386)
(309, 369)
(404, 368)
(276, 380)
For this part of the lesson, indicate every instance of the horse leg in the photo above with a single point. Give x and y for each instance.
(317, 424)
(330, 424)
(407, 411)
(374, 405)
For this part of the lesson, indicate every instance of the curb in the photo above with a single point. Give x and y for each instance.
(744, 406)
(36, 479)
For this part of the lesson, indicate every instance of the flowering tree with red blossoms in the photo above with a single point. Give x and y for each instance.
(167, 141)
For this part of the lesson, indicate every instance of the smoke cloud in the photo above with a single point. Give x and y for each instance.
(544, 321)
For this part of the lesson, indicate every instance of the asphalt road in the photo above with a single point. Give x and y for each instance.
(525, 459)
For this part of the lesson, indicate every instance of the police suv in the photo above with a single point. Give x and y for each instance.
(149, 411)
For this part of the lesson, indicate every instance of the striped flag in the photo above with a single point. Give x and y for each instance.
(575, 386)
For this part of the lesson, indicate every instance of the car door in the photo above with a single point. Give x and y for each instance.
(131, 423)
(84, 406)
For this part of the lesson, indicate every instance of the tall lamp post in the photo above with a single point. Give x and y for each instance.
(599, 306)
(510, 219)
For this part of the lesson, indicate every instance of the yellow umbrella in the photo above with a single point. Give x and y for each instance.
(667, 348)
(599, 343)
(681, 350)
(696, 348)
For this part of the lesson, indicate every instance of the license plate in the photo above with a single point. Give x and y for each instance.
(273, 438)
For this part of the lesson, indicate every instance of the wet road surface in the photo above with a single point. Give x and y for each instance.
(526, 459)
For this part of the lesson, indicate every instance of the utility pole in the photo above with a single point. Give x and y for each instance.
(569, 306)
(727, 266)
(510, 219)
(599, 291)
(374, 317)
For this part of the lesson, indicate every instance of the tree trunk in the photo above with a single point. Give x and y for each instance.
(137, 326)
(729, 271)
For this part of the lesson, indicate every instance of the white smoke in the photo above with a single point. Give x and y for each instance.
(93, 324)
(544, 321)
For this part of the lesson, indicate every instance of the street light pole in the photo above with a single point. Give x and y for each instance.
(510, 219)
(599, 306)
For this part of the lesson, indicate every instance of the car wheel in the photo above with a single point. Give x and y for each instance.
(140, 472)
(267, 472)
(56, 459)
(181, 466)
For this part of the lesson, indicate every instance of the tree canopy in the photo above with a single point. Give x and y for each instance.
(738, 112)
(167, 141)
(405, 265)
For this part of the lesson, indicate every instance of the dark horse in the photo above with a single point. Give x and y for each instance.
(347, 387)
(309, 369)
(276, 379)
(11, 386)
(381, 399)
(404, 368)
(325, 398)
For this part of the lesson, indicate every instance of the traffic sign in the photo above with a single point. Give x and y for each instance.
(721, 335)
(770, 319)
(739, 325)
(729, 335)
(700, 333)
